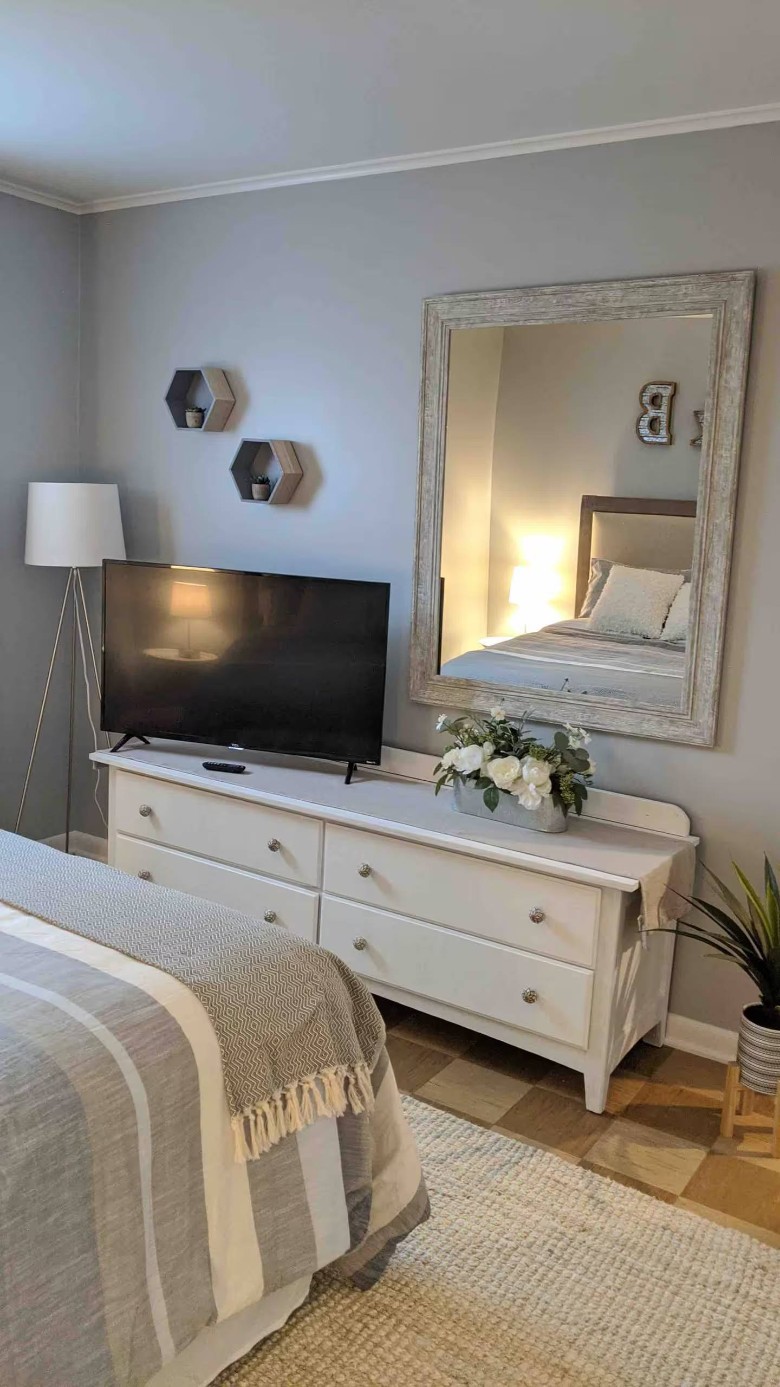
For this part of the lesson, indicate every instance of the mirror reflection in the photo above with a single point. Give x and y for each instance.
(572, 460)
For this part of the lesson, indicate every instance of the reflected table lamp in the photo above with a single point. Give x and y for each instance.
(190, 602)
(531, 593)
(71, 525)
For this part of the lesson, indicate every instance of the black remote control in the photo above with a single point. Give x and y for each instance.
(235, 767)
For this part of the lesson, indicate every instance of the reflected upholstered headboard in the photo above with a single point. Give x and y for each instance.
(635, 530)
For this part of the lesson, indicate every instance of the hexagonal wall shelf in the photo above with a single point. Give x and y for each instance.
(206, 388)
(274, 458)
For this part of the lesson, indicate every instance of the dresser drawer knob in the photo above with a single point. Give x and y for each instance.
(530, 995)
(274, 844)
(269, 917)
(364, 870)
(145, 875)
(360, 943)
(145, 811)
(537, 915)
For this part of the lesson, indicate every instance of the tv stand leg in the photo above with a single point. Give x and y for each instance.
(128, 737)
(351, 767)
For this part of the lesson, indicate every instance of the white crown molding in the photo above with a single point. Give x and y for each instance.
(62, 204)
(467, 154)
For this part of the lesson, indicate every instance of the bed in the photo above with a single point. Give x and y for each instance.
(569, 656)
(140, 1246)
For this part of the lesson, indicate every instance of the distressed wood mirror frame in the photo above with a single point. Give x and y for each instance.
(728, 297)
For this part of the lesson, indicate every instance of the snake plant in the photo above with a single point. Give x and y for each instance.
(747, 933)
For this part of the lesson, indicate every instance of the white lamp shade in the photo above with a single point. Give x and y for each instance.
(73, 524)
(190, 600)
(521, 584)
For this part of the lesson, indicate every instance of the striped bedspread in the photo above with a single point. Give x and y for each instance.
(567, 657)
(127, 1225)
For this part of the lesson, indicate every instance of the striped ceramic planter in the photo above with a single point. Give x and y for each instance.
(758, 1054)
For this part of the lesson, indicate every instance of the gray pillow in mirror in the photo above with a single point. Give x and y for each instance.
(599, 572)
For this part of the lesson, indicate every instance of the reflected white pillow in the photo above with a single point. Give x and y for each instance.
(599, 572)
(635, 602)
(676, 624)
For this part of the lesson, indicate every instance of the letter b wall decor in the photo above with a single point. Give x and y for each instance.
(654, 424)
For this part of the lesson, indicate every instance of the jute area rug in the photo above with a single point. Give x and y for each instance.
(535, 1273)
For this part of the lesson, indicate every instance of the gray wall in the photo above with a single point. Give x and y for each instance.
(310, 297)
(39, 342)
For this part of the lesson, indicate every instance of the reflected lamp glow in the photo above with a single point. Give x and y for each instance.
(535, 583)
(190, 601)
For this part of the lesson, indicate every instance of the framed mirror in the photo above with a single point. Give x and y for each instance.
(579, 450)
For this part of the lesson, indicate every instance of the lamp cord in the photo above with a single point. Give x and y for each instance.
(95, 768)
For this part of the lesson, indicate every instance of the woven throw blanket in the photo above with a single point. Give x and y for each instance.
(299, 1034)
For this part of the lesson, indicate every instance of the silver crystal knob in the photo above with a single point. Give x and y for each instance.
(364, 870)
(359, 943)
(537, 915)
(145, 810)
(274, 844)
(145, 875)
(530, 995)
(269, 916)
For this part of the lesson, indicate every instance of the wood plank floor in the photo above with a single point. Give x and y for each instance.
(660, 1132)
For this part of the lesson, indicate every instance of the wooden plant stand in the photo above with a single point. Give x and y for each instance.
(735, 1111)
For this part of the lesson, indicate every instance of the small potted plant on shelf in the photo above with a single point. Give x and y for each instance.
(748, 933)
(261, 488)
(194, 416)
(500, 770)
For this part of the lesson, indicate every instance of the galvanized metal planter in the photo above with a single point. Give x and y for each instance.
(548, 818)
(758, 1055)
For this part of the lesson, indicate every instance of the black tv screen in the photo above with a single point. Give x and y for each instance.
(256, 660)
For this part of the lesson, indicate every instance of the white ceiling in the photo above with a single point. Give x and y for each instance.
(119, 99)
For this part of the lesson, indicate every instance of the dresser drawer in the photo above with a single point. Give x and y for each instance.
(291, 908)
(211, 825)
(477, 976)
(464, 893)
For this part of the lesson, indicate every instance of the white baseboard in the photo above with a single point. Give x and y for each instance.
(81, 845)
(699, 1038)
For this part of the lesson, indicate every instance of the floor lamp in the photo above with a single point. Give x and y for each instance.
(71, 525)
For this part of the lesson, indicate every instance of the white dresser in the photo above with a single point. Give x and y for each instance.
(527, 937)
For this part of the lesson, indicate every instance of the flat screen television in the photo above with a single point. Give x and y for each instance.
(247, 660)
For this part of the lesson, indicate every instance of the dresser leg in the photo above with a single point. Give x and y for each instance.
(657, 1036)
(596, 1089)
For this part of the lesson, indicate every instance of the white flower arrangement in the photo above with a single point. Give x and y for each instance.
(501, 758)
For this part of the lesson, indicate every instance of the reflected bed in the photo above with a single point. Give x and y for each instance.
(572, 657)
